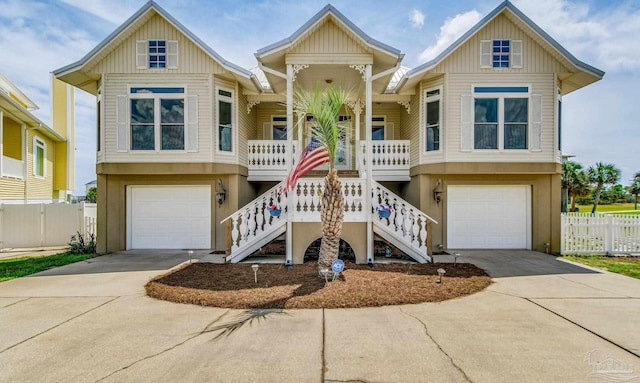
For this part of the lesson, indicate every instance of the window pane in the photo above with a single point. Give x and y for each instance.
(172, 137)
(280, 132)
(433, 125)
(142, 137)
(39, 161)
(433, 138)
(377, 133)
(516, 110)
(142, 110)
(485, 136)
(224, 126)
(172, 111)
(433, 113)
(486, 110)
(515, 136)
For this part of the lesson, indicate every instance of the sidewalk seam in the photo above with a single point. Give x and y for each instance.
(16, 302)
(426, 330)
(58, 325)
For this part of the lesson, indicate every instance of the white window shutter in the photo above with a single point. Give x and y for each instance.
(122, 120)
(516, 53)
(142, 55)
(192, 123)
(466, 122)
(485, 54)
(267, 132)
(536, 122)
(172, 54)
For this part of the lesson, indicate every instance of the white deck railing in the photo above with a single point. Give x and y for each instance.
(307, 199)
(583, 233)
(12, 167)
(269, 154)
(390, 159)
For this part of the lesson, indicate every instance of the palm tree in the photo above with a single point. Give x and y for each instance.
(325, 107)
(575, 180)
(635, 189)
(600, 175)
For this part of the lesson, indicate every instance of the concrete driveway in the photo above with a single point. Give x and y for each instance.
(543, 320)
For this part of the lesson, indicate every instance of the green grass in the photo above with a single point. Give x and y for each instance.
(627, 208)
(19, 267)
(629, 266)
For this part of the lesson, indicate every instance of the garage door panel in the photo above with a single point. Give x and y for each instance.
(169, 217)
(488, 217)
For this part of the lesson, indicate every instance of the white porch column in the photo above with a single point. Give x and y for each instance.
(289, 235)
(369, 167)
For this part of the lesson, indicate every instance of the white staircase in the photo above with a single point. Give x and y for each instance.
(252, 227)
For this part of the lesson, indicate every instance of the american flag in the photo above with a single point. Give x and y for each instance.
(311, 157)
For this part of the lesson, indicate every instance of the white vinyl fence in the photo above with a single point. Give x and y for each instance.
(37, 225)
(583, 233)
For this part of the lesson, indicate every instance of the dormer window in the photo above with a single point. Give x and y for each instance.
(501, 54)
(156, 54)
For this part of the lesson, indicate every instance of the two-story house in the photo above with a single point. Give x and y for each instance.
(37, 162)
(465, 148)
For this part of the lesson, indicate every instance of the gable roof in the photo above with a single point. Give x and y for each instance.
(506, 6)
(328, 10)
(143, 14)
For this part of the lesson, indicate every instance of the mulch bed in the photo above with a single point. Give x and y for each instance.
(233, 286)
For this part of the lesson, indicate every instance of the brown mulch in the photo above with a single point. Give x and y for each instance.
(233, 286)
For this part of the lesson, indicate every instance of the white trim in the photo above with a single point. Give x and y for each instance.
(39, 142)
(439, 98)
(234, 129)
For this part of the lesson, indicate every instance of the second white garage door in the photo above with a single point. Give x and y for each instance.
(489, 217)
(169, 217)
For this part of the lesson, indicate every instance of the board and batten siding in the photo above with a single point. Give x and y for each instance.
(466, 58)
(191, 58)
(329, 38)
(195, 84)
(462, 84)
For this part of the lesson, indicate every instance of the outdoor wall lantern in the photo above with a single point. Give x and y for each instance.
(221, 193)
(437, 192)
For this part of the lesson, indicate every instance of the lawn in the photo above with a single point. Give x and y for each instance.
(629, 266)
(622, 208)
(19, 267)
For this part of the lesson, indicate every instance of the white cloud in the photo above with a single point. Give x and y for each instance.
(107, 10)
(417, 19)
(451, 30)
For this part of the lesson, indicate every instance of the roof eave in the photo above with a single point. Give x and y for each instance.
(31, 120)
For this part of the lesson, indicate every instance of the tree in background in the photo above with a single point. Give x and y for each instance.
(91, 195)
(575, 180)
(600, 175)
(634, 189)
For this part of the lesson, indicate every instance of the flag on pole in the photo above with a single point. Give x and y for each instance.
(311, 157)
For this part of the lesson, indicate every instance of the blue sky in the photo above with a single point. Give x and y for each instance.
(37, 37)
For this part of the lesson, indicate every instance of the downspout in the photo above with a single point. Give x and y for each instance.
(26, 160)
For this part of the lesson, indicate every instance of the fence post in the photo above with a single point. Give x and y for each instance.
(1, 226)
(609, 240)
(563, 219)
(82, 222)
(42, 225)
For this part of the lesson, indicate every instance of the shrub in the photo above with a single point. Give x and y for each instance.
(81, 245)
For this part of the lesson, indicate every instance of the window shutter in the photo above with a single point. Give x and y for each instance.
(172, 54)
(466, 122)
(192, 123)
(485, 54)
(122, 122)
(141, 55)
(267, 132)
(516, 53)
(536, 122)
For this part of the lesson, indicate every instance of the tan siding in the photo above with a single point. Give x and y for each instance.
(459, 84)
(246, 127)
(410, 126)
(466, 58)
(329, 38)
(191, 59)
(263, 115)
(196, 84)
(392, 113)
(11, 139)
(11, 189)
(40, 188)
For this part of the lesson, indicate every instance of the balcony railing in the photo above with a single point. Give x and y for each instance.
(267, 159)
(12, 167)
(391, 159)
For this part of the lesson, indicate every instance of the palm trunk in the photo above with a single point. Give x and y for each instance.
(596, 198)
(573, 203)
(331, 219)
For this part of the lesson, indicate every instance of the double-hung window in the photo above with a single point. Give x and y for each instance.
(39, 157)
(377, 128)
(225, 120)
(432, 116)
(157, 118)
(501, 117)
(279, 128)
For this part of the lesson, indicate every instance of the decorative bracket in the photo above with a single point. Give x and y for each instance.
(297, 68)
(406, 104)
(355, 106)
(360, 68)
(251, 104)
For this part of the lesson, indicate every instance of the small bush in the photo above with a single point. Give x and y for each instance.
(81, 245)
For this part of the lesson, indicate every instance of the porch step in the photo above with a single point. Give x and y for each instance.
(341, 174)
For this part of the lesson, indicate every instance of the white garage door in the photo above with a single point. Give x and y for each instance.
(489, 217)
(169, 217)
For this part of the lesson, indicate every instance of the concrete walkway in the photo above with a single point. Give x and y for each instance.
(542, 320)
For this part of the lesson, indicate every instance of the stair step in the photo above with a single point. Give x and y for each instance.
(341, 174)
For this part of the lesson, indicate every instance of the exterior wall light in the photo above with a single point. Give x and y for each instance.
(437, 192)
(221, 193)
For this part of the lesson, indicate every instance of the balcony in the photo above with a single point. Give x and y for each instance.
(12, 168)
(267, 159)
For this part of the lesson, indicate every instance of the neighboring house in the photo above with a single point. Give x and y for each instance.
(37, 162)
(90, 185)
(471, 138)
